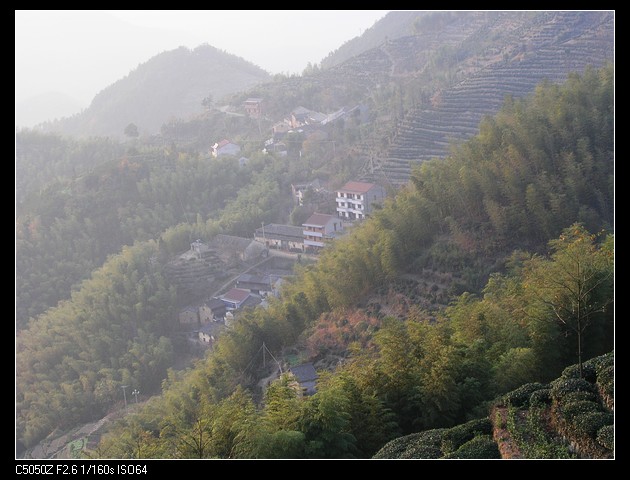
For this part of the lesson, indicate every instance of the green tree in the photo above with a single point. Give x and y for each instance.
(574, 288)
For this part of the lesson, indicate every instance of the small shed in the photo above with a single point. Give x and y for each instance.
(306, 377)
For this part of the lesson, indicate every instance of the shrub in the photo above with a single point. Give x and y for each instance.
(426, 445)
(588, 424)
(540, 397)
(455, 437)
(422, 451)
(573, 409)
(563, 386)
(579, 396)
(606, 380)
(520, 396)
(601, 362)
(606, 437)
(481, 446)
(416, 445)
(588, 372)
(394, 448)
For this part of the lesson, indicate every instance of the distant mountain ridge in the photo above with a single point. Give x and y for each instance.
(37, 109)
(171, 84)
(393, 25)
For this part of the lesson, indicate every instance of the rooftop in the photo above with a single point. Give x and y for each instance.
(249, 278)
(236, 295)
(356, 187)
(318, 219)
(304, 372)
(280, 230)
(214, 303)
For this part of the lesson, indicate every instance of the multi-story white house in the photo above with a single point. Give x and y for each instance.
(319, 228)
(355, 200)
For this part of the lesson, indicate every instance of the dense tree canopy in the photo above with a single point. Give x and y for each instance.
(534, 171)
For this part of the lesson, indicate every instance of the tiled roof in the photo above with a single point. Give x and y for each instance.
(236, 295)
(304, 373)
(214, 303)
(318, 219)
(249, 278)
(274, 229)
(356, 187)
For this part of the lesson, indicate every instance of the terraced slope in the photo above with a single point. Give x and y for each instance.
(556, 44)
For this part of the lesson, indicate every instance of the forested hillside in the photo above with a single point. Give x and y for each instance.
(172, 84)
(487, 268)
(516, 185)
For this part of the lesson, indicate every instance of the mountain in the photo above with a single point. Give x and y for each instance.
(482, 58)
(171, 84)
(46, 106)
(391, 26)
(432, 83)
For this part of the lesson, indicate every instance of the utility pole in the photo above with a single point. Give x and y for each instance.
(124, 393)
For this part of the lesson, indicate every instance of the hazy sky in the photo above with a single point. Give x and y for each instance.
(78, 53)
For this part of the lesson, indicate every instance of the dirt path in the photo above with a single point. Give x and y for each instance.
(507, 445)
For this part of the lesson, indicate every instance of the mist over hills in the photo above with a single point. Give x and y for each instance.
(40, 108)
(171, 84)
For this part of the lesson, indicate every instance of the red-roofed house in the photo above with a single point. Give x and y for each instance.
(319, 228)
(355, 200)
(235, 298)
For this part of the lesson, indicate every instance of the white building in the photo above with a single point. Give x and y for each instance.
(356, 200)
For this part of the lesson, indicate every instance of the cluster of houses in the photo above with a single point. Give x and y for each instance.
(207, 319)
(355, 201)
(309, 123)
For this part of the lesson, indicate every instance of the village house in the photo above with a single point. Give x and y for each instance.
(280, 130)
(283, 237)
(319, 229)
(312, 194)
(244, 248)
(189, 316)
(209, 332)
(301, 116)
(238, 298)
(299, 189)
(234, 298)
(212, 310)
(306, 377)
(256, 284)
(356, 200)
(225, 147)
(253, 107)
